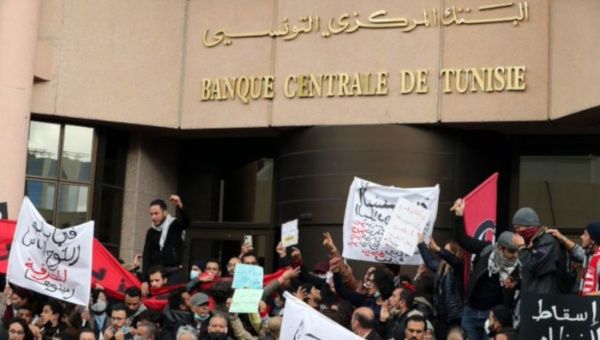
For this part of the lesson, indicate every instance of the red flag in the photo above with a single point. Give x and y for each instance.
(480, 215)
(7, 231)
(110, 274)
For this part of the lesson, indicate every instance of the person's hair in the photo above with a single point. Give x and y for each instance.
(250, 253)
(61, 336)
(384, 281)
(273, 326)
(221, 291)
(27, 307)
(186, 330)
(22, 293)
(405, 278)
(218, 316)
(417, 318)
(160, 203)
(134, 292)
(150, 326)
(151, 316)
(117, 307)
(408, 297)
(86, 330)
(96, 293)
(28, 334)
(175, 298)
(213, 260)
(364, 321)
(157, 269)
(456, 250)
(56, 307)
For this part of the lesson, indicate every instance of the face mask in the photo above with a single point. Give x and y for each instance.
(217, 336)
(528, 233)
(377, 294)
(488, 327)
(99, 307)
(201, 318)
(194, 274)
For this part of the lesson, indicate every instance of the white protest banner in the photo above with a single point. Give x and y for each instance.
(369, 209)
(302, 322)
(289, 233)
(408, 220)
(51, 261)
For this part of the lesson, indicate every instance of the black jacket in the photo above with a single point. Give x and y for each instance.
(540, 264)
(172, 253)
(448, 287)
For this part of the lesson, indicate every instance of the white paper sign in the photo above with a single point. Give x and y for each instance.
(302, 322)
(51, 261)
(408, 220)
(369, 210)
(289, 233)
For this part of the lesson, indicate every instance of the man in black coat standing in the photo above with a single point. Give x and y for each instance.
(164, 240)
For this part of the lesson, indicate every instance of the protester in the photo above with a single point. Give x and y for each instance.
(164, 240)
(448, 283)
(395, 312)
(499, 324)
(493, 276)
(118, 329)
(363, 323)
(87, 334)
(18, 330)
(146, 331)
(416, 326)
(539, 254)
(199, 305)
(186, 333)
(587, 253)
(217, 328)
(134, 304)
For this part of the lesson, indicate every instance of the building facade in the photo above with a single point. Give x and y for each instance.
(259, 112)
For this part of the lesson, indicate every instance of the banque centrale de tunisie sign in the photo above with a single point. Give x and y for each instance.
(485, 79)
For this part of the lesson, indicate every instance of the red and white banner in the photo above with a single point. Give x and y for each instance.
(51, 261)
(480, 214)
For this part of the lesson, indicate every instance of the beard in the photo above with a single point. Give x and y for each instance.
(217, 336)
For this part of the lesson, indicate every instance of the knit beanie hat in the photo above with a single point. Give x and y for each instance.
(503, 315)
(526, 217)
(594, 230)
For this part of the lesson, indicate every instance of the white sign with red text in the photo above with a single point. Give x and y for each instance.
(51, 261)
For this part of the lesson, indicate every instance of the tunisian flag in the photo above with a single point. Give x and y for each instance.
(480, 215)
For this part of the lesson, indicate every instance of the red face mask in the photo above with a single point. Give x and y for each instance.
(528, 233)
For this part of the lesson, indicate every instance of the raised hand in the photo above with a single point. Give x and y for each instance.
(280, 249)
(458, 207)
(175, 199)
(328, 243)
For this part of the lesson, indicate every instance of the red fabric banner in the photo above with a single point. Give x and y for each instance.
(480, 215)
(7, 230)
(110, 274)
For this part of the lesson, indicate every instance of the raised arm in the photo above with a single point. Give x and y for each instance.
(466, 242)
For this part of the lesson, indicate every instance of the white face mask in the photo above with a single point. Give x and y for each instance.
(487, 327)
(194, 274)
(99, 307)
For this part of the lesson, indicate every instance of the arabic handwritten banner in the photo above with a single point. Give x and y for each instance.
(302, 322)
(245, 300)
(247, 276)
(348, 23)
(289, 233)
(51, 261)
(555, 317)
(408, 220)
(369, 209)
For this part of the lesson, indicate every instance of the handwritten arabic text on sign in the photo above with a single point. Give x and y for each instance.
(245, 300)
(369, 210)
(51, 261)
(247, 276)
(408, 220)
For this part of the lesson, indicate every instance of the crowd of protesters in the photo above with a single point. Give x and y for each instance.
(445, 300)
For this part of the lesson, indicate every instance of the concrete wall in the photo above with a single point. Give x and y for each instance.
(142, 62)
(152, 165)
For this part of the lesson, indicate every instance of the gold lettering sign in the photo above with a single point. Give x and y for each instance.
(361, 84)
(348, 23)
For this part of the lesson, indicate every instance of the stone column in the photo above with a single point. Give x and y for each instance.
(19, 21)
